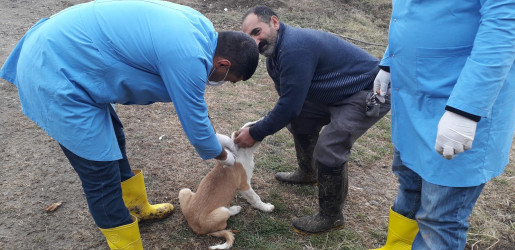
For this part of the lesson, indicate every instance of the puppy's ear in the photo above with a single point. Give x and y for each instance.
(250, 124)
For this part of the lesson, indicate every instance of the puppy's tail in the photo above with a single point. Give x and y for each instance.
(229, 237)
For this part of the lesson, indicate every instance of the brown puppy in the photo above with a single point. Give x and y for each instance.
(207, 210)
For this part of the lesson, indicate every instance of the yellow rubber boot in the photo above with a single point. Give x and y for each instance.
(124, 237)
(135, 199)
(401, 232)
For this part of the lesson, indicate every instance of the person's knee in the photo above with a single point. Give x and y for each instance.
(331, 154)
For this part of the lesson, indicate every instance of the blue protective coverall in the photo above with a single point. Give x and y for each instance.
(69, 70)
(456, 53)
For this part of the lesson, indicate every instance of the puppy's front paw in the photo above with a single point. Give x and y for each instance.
(266, 207)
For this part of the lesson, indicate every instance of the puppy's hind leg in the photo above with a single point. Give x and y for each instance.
(216, 222)
(217, 219)
(254, 200)
(184, 197)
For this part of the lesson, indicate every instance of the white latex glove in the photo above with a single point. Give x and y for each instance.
(382, 84)
(227, 143)
(455, 134)
(229, 160)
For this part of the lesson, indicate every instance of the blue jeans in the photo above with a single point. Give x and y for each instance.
(101, 183)
(441, 212)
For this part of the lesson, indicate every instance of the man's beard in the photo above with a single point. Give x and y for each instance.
(267, 47)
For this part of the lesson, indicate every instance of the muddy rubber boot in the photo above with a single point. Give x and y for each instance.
(124, 237)
(306, 172)
(332, 191)
(135, 199)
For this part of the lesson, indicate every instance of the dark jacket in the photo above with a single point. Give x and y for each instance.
(316, 66)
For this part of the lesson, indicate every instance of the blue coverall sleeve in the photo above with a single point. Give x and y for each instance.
(386, 58)
(184, 59)
(186, 88)
(491, 59)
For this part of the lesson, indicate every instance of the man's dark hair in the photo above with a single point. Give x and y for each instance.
(263, 12)
(241, 50)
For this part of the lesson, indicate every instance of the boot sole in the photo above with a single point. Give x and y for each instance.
(155, 219)
(298, 183)
(292, 178)
(315, 233)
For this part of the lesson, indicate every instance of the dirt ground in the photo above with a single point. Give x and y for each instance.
(34, 172)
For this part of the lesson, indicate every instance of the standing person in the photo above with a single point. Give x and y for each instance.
(71, 67)
(321, 81)
(452, 84)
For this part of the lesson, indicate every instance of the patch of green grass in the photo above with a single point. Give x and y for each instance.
(306, 211)
(337, 239)
(510, 171)
(269, 226)
(181, 235)
(281, 140)
(277, 153)
(260, 231)
(276, 197)
(304, 190)
(38, 239)
(274, 163)
(379, 235)
(272, 232)
(500, 181)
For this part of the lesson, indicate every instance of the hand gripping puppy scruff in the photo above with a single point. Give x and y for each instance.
(207, 210)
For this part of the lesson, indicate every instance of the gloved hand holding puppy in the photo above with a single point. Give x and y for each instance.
(229, 148)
